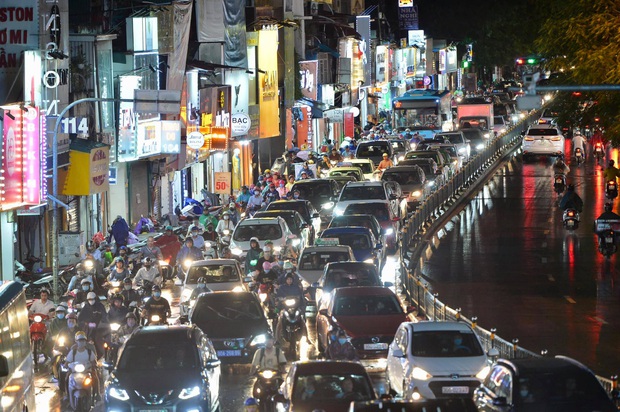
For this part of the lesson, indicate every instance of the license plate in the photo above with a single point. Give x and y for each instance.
(559, 181)
(226, 353)
(609, 239)
(570, 223)
(375, 346)
(455, 389)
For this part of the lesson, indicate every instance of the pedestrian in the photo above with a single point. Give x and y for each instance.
(120, 232)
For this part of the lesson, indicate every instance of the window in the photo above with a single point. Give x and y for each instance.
(262, 232)
(332, 388)
(362, 193)
(365, 166)
(378, 210)
(318, 260)
(401, 339)
(409, 177)
(367, 306)
(542, 132)
(213, 274)
(445, 344)
(222, 308)
(158, 357)
(345, 275)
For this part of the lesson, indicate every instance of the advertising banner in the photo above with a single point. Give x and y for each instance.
(349, 124)
(210, 21)
(235, 49)
(89, 169)
(362, 26)
(416, 38)
(381, 64)
(239, 90)
(451, 61)
(308, 71)
(408, 17)
(31, 157)
(11, 183)
(182, 14)
(126, 147)
(222, 182)
(159, 137)
(268, 83)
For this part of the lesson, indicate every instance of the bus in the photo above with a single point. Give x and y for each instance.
(16, 364)
(423, 109)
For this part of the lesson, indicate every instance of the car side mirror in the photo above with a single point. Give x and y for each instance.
(213, 363)
(316, 285)
(388, 284)
(4, 366)
(279, 398)
(493, 353)
(248, 279)
(323, 312)
(500, 401)
(398, 353)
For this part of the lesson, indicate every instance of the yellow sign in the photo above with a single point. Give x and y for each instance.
(268, 82)
(97, 164)
(221, 184)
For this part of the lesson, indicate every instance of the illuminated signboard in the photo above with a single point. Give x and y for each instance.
(158, 137)
(126, 148)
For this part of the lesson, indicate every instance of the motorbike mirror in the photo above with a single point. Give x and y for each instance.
(213, 363)
(388, 284)
(247, 279)
(323, 312)
(398, 353)
(315, 285)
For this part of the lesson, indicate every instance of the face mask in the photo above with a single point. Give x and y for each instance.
(341, 341)
(70, 324)
(226, 217)
(296, 196)
(458, 341)
(85, 288)
(524, 393)
(332, 338)
(127, 287)
(282, 185)
(157, 294)
(81, 343)
(201, 285)
(91, 301)
(131, 323)
(281, 263)
(256, 193)
(60, 315)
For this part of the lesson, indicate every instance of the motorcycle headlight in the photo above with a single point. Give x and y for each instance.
(118, 393)
(208, 245)
(328, 205)
(187, 263)
(236, 251)
(258, 340)
(483, 373)
(87, 381)
(431, 183)
(487, 135)
(289, 302)
(480, 146)
(401, 158)
(61, 341)
(420, 374)
(389, 231)
(155, 318)
(296, 242)
(462, 150)
(79, 368)
(267, 374)
(116, 283)
(163, 263)
(188, 393)
(114, 326)
(38, 318)
(369, 261)
(262, 297)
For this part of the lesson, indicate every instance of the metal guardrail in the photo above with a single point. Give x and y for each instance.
(430, 210)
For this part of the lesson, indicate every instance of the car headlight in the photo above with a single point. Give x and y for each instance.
(237, 289)
(328, 205)
(187, 263)
(487, 135)
(462, 150)
(338, 211)
(389, 231)
(480, 146)
(416, 193)
(118, 393)
(431, 183)
(420, 374)
(188, 393)
(369, 261)
(401, 158)
(236, 251)
(162, 263)
(483, 373)
(259, 340)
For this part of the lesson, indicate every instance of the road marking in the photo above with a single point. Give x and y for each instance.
(543, 259)
(569, 299)
(544, 244)
(596, 318)
(551, 278)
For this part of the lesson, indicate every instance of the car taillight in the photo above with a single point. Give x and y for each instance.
(556, 138)
(528, 139)
(395, 219)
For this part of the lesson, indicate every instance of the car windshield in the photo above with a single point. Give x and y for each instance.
(372, 305)
(542, 132)
(550, 113)
(357, 241)
(362, 221)
(244, 232)
(351, 275)
(371, 150)
(422, 155)
(450, 149)
(344, 172)
(398, 145)
(378, 210)
(405, 177)
(561, 386)
(157, 357)
(225, 308)
(341, 387)
(298, 206)
(473, 134)
(453, 138)
(213, 274)
(445, 344)
(498, 120)
(313, 192)
(362, 192)
(316, 260)
(365, 166)
(289, 218)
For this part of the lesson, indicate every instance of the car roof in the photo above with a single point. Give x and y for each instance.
(362, 160)
(364, 291)
(328, 367)
(350, 263)
(365, 183)
(332, 248)
(261, 220)
(543, 126)
(162, 334)
(346, 229)
(281, 202)
(309, 182)
(214, 262)
(366, 216)
(402, 168)
(218, 293)
(530, 366)
(440, 326)
(277, 212)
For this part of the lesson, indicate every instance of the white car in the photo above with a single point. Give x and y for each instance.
(500, 125)
(458, 139)
(367, 166)
(263, 228)
(429, 360)
(543, 139)
(313, 259)
(356, 192)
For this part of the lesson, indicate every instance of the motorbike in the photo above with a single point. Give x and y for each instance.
(210, 252)
(114, 287)
(607, 243)
(112, 344)
(80, 388)
(599, 152)
(579, 157)
(570, 219)
(292, 325)
(145, 289)
(559, 183)
(167, 271)
(183, 268)
(38, 334)
(223, 241)
(192, 208)
(265, 388)
(265, 295)
(153, 319)
(611, 190)
(59, 353)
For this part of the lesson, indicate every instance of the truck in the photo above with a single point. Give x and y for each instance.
(476, 115)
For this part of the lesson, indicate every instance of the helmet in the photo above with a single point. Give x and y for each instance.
(90, 246)
(608, 207)
(104, 245)
(79, 267)
(266, 266)
(250, 402)
(385, 155)
(72, 316)
(122, 248)
(80, 336)
(611, 163)
(155, 288)
(60, 308)
(577, 133)
(131, 315)
(147, 260)
(119, 259)
(127, 280)
(288, 265)
(85, 282)
(244, 187)
(202, 279)
(91, 295)
(254, 239)
(267, 171)
(226, 213)
(44, 291)
(118, 296)
(169, 227)
(189, 239)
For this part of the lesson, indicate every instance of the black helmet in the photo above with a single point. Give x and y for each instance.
(131, 315)
(609, 207)
(118, 296)
(127, 280)
(147, 261)
(189, 239)
(202, 279)
(155, 288)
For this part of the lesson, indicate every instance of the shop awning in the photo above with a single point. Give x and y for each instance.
(89, 165)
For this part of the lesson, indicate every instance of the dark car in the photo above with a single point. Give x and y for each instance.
(422, 405)
(370, 316)
(373, 150)
(432, 172)
(295, 222)
(343, 180)
(412, 180)
(542, 384)
(322, 193)
(305, 209)
(367, 220)
(476, 139)
(330, 380)
(365, 246)
(235, 322)
(172, 367)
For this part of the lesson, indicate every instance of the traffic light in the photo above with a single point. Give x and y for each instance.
(532, 60)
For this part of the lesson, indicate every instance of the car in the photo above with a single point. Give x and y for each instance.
(328, 378)
(263, 228)
(295, 222)
(322, 193)
(365, 246)
(383, 212)
(234, 321)
(444, 166)
(373, 150)
(425, 405)
(352, 171)
(450, 153)
(175, 366)
(369, 315)
(400, 147)
(549, 116)
(340, 274)
(458, 139)
(343, 180)
(543, 139)
(220, 274)
(355, 192)
(500, 125)
(476, 138)
(305, 208)
(433, 175)
(412, 180)
(367, 165)
(312, 259)
(541, 384)
(426, 361)
(364, 220)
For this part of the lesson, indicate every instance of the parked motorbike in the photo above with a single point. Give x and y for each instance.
(80, 389)
(611, 190)
(559, 183)
(607, 243)
(570, 219)
(291, 325)
(38, 334)
(265, 388)
(579, 157)
(599, 152)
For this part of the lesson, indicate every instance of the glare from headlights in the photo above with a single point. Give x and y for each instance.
(79, 368)
(416, 396)
(262, 297)
(38, 318)
(328, 205)
(115, 326)
(521, 115)
(416, 193)
(61, 341)
(236, 251)
(163, 263)
(338, 212)
(187, 263)
(188, 393)
(258, 340)
(420, 374)
(267, 374)
(296, 242)
(462, 150)
(389, 231)
(155, 318)
(483, 373)
(369, 261)
(487, 135)
(186, 295)
(237, 289)
(480, 146)
(120, 394)
(208, 244)
(277, 248)
(289, 302)
(401, 158)
(431, 183)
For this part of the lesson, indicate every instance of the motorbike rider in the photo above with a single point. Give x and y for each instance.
(120, 272)
(91, 316)
(289, 269)
(195, 225)
(250, 405)
(571, 200)
(68, 338)
(611, 173)
(341, 348)
(253, 255)
(201, 287)
(579, 142)
(306, 169)
(82, 295)
(560, 168)
(122, 253)
(207, 217)
(79, 276)
(234, 214)
(54, 327)
(607, 220)
(117, 312)
(268, 357)
(272, 194)
(225, 224)
(199, 241)
(148, 272)
(255, 202)
(169, 245)
(156, 305)
(188, 251)
(129, 293)
(131, 324)
(336, 156)
(43, 306)
(82, 352)
(267, 256)
(385, 163)
(151, 250)
(244, 196)
(91, 249)
(290, 289)
(210, 235)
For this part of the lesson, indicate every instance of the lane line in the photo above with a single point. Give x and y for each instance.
(570, 300)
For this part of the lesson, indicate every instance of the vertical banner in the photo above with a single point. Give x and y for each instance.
(210, 21)
(31, 161)
(407, 15)
(126, 147)
(349, 124)
(362, 26)
(11, 175)
(268, 82)
(308, 71)
(235, 51)
(99, 170)
(182, 13)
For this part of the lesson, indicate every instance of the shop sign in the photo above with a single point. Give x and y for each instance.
(222, 183)
(195, 140)
(269, 125)
(451, 61)
(415, 38)
(408, 18)
(240, 124)
(159, 137)
(308, 70)
(126, 148)
(442, 61)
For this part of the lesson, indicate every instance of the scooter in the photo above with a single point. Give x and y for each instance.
(210, 252)
(607, 243)
(611, 190)
(579, 158)
(223, 241)
(38, 334)
(292, 325)
(112, 344)
(265, 388)
(559, 183)
(80, 389)
(570, 219)
(599, 152)
(59, 354)
(167, 271)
